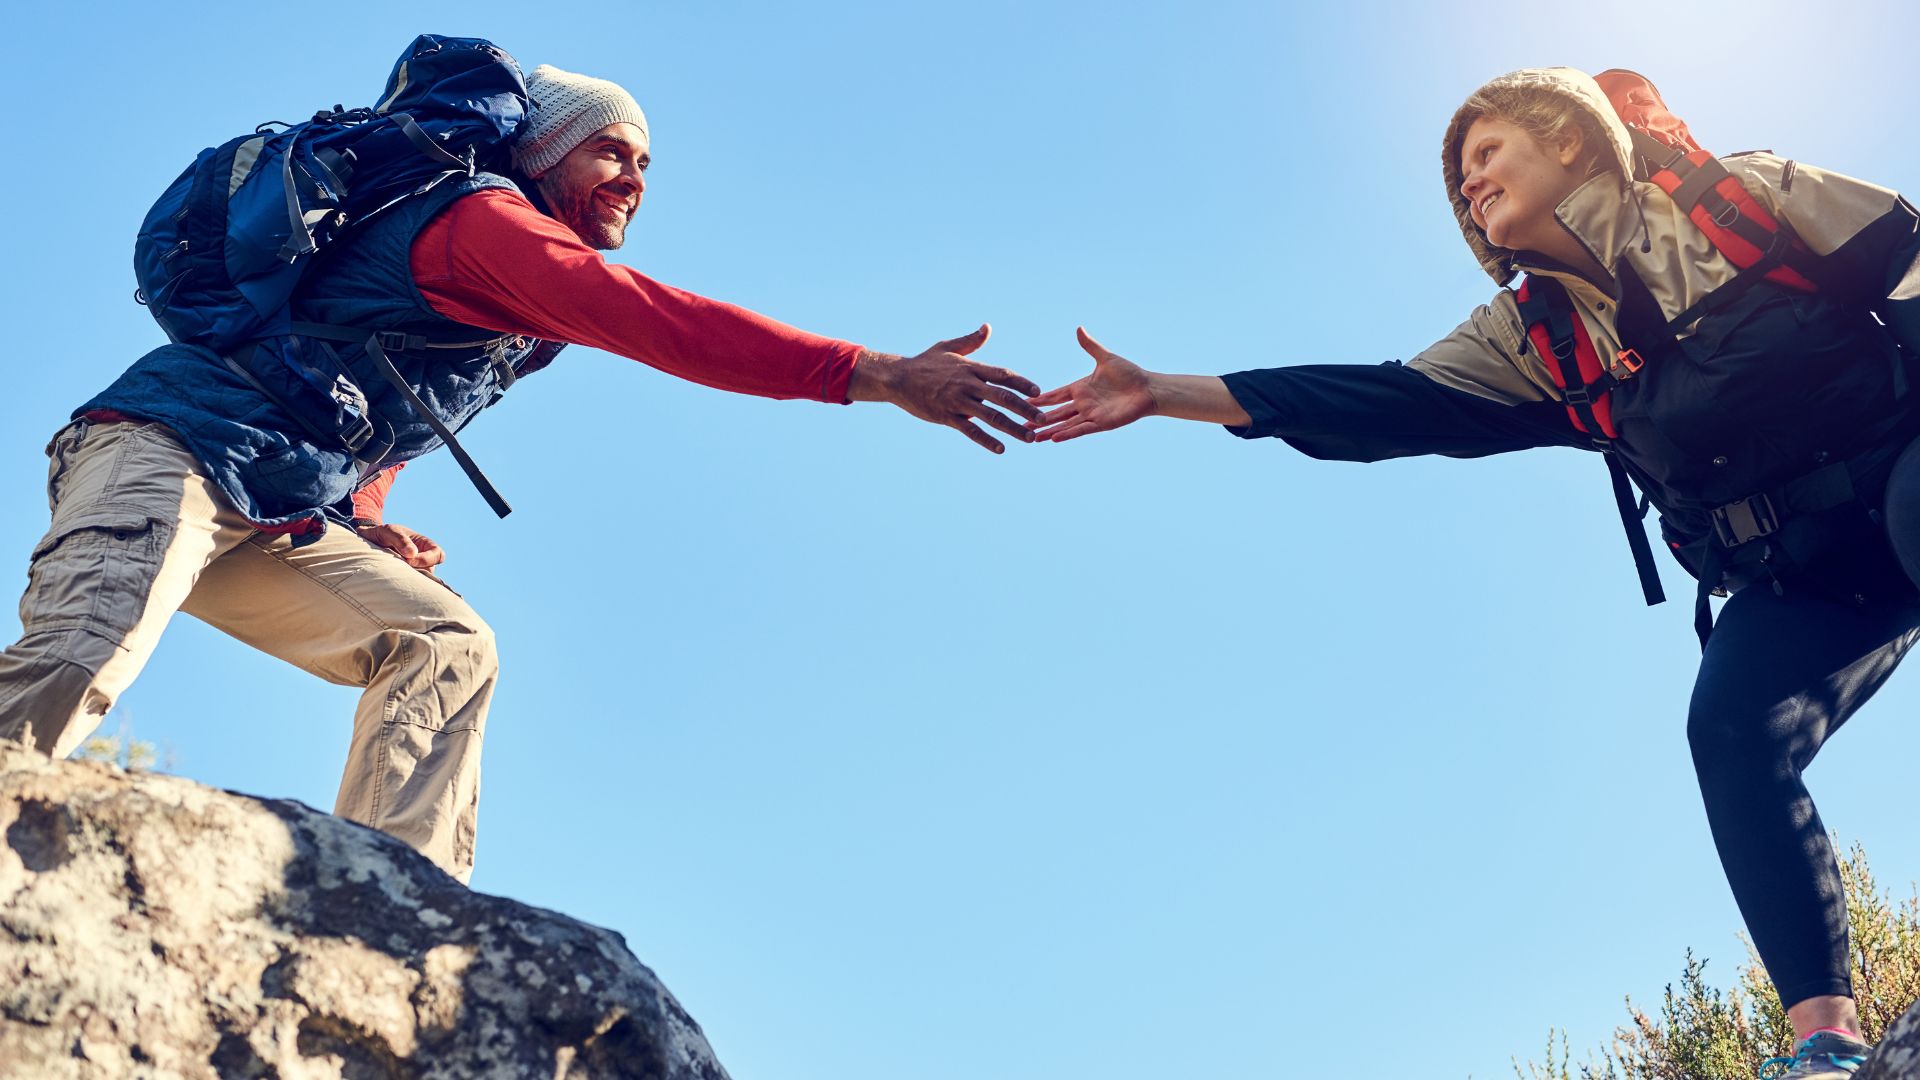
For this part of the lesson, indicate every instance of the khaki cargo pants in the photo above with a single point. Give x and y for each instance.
(139, 532)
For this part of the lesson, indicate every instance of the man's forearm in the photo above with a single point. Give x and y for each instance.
(874, 377)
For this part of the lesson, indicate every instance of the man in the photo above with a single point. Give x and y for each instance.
(190, 484)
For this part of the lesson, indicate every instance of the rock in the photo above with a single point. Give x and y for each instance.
(1898, 1055)
(151, 927)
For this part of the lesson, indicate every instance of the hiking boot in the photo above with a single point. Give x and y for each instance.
(1826, 1055)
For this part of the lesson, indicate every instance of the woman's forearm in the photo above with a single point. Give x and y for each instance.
(1196, 397)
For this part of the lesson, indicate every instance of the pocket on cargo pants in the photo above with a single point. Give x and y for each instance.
(94, 573)
(60, 451)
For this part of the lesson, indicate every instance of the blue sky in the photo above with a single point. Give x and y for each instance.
(1145, 755)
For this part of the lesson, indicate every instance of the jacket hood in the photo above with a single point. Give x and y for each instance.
(1578, 88)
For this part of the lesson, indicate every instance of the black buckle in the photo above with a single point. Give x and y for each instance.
(1745, 519)
(359, 434)
(399, 341)
(355, 429)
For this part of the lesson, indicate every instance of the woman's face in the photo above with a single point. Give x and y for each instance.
(1513, 182)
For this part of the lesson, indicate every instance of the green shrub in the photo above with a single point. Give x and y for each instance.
(1700, 1033)
(121, 749)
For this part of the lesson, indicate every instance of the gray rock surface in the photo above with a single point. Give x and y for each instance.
(1898, 1055)
(154, 928)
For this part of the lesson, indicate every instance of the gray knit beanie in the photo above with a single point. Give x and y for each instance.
(566, 109)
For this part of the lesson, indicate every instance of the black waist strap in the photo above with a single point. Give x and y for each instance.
(1760, 515)
(392, 340)
(400, 341)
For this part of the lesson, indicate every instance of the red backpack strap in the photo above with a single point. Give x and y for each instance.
(1666, 154)
(1555, 330)
(1740, 228)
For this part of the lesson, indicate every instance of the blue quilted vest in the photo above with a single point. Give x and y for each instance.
(276, 460)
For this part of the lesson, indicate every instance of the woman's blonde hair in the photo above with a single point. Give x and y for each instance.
(1545, 115)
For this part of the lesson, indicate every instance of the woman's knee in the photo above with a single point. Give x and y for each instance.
(1709, 737)
(1748, 745)
(1902, 510)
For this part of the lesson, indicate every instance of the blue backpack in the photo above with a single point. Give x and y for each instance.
(220, 255)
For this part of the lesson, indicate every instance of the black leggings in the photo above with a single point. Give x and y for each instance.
(1780, 675)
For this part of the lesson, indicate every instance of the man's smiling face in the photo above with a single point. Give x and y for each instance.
(596, 188)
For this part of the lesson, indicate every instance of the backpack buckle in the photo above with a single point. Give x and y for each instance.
(399, 340)
(1745, 519)
(351, 402)
(1631, 360)
(356, 435)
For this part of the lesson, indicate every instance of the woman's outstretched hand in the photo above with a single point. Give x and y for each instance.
(1117, 393)
(1120, 391)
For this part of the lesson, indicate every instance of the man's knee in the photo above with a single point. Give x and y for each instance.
(471, 645)
(464, 637)
(442, 672)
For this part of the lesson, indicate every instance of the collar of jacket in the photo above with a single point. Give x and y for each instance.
(1602, 217)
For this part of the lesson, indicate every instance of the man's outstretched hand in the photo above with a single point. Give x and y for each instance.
(942, 386)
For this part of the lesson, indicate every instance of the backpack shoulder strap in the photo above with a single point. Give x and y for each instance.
(1555, 331)
(1554, 328)
(1719, 205)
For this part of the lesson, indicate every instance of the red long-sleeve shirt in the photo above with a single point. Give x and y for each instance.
(492, 260)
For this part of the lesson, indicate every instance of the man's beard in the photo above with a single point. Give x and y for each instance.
(596, 224)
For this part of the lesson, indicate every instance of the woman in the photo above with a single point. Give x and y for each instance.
(1766, 422)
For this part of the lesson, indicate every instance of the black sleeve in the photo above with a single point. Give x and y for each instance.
(1900, 303)
(1358, 412)
(1870, 267)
